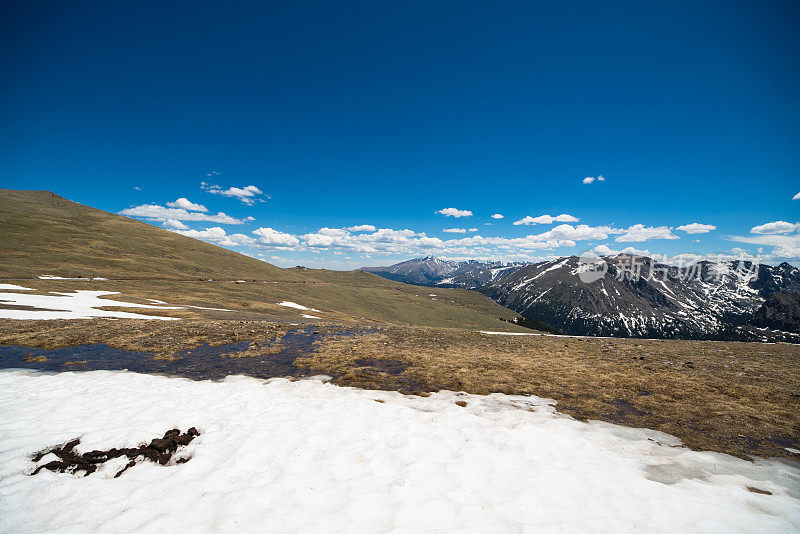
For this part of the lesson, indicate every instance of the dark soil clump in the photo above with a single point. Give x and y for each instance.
(158, 451)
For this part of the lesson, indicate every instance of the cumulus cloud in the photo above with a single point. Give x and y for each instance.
(172, 224)
(218, 236)
(605, 250)
(638, 233)
(546, 219)
(500, 215)
(591, 179)
(472, 230)
(361, 228)
(455, 230)
(155, 212)
(696, 228)
(776, 227)
(269, 236)
(247, 194)
(453, 212)
(186, 204)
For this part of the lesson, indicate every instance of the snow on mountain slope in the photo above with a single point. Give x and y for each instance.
(432, 271)
(638, 297)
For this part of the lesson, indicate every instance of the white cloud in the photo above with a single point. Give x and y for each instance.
(172, 224)
(546, 219)
(582, 232)
(247, 194)
(786, 252)
(636, 251)
(777, 227)
(268, 236)
(361, 228)
(696, 228)
(796, 197)
(186, 204)
(155, 212)
(638, 233)
(500, 215)
(455, 230)
(453, 212)
(472, 230)
(605, 250)
(784, 246)
(217, 236)
(591, 179)
(769, 239)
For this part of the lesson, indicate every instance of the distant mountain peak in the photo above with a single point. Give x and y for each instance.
(433, 271)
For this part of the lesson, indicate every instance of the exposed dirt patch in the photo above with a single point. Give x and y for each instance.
(159, 451)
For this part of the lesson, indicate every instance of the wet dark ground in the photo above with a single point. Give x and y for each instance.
(205, 362)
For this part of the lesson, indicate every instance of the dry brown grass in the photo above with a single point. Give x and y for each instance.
(738, 398)
(160, 338)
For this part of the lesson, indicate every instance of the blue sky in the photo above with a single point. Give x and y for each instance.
(348, 114)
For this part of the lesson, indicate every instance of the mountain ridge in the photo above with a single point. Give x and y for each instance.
(436, 272)
(662, 301)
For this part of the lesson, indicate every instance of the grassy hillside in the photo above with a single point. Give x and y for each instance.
(46, 234)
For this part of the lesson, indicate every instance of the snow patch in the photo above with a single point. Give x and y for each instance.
(13, 287)
(205, 308)
(288, 456)
(81, 304)
(296, 306)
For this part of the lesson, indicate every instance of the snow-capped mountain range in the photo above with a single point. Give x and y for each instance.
(432, 271)
(634, 296)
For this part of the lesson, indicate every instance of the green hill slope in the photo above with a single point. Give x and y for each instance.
(43, 233)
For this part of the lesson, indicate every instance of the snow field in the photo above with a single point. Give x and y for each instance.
(307, 456)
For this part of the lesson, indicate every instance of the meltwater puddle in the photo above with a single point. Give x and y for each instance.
(205, 362)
